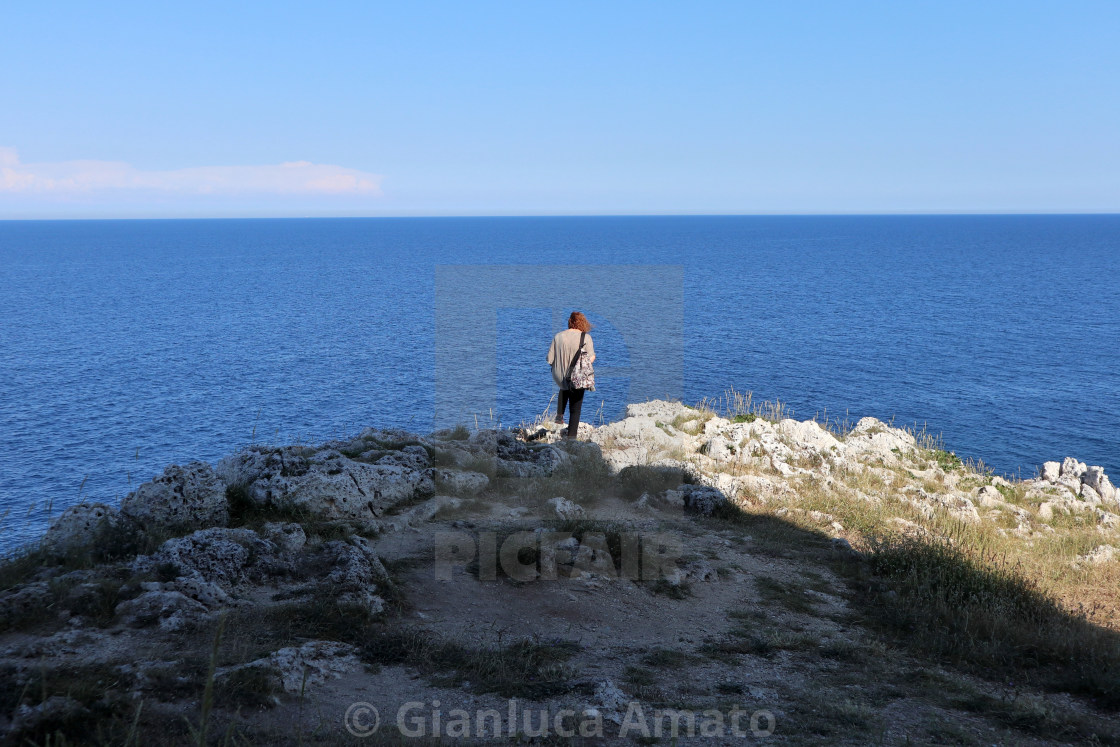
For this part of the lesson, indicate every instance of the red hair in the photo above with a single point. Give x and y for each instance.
(578, 321)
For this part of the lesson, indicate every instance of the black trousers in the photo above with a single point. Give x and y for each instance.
(573, 398)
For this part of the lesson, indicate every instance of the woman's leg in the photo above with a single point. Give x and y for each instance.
(560, 403)
(575, 404)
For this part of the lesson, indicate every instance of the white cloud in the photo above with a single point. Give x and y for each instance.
(97, 177)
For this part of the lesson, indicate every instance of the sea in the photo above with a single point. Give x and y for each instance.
(126, 346)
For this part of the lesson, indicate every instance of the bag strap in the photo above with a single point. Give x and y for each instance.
(575, 358)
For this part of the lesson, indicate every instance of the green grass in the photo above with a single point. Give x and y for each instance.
(946, 460)
(110, 543)
(689, 423)
(740, 407)
(459, 433)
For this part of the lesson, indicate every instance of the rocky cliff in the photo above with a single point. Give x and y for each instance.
(674, 558)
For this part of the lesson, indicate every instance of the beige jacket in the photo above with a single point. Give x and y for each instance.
(563, 349)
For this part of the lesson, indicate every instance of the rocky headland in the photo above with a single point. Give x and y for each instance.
(810, 584)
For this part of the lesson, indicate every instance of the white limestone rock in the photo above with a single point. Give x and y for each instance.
(314, 663)
(669, 500)
(460, 483)
(1095, 478)
(208, 593)
(609, 702)
(1072, 468)
(173, 611)
(721, 448)
(874, 438)
(699, 570)
(808, 435)
(217, 555)
(413, 456)
(1089, 495)
(80, 526)
(548, 459)
(288, 537)
(294, 669)
(1099, 555)
(356, 574)
(593, 556)
(424, 512)
(662, 410)
(701, 499)
(323, 483)
(958, 505)
(1050, 471)
(1106, 518)
(989, 497)
(640, 430)
(564, 508)
(181, 498)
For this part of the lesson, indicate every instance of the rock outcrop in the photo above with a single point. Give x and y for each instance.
(315, 546)
(294, 669)
(217, 555)
(181, 498)
(325, 483)
(80, 527)
(1073, 481)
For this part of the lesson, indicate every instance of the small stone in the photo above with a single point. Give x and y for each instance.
(564, 508)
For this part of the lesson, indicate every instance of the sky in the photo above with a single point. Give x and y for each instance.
(120, 109)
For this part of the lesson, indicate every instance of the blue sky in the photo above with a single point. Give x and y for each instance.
(361, 108)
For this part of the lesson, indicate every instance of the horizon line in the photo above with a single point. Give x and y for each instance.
(407, 216)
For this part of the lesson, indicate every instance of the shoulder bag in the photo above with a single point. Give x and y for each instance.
(580, 374)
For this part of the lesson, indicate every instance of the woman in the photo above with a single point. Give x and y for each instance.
(560, 356)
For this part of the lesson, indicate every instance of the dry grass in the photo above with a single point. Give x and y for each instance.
(740, 407)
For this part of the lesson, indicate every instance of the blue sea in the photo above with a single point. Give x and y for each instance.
(129, 345)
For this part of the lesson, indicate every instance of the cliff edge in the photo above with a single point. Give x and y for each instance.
(681, 573)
